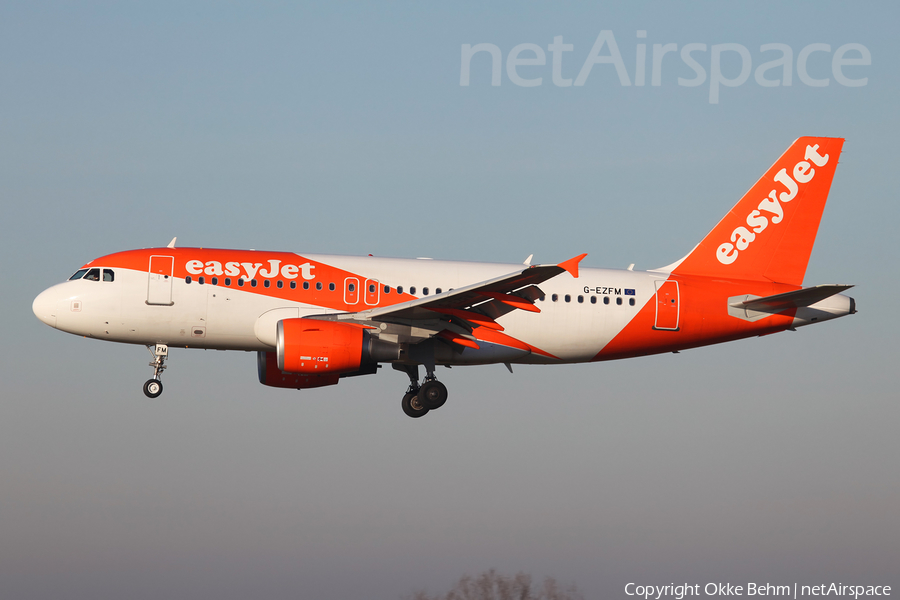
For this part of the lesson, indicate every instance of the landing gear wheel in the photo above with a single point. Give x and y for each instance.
(159, 352)
(411, 405)
(153, 388)
(433, 394)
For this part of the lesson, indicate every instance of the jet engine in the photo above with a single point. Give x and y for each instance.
(313, 347)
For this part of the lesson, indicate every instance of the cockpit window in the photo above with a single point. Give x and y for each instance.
(93, 275)
(108, 275)
(78, 274)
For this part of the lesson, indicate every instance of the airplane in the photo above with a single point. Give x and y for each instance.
(315, 319)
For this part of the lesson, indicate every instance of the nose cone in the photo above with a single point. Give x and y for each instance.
(44, 306)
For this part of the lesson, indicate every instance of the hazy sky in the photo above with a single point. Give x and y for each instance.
(343, 128)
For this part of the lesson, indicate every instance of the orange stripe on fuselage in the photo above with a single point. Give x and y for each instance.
(704, 319)
(139, 260)
(263, 266)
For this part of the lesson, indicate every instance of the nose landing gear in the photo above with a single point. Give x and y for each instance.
(153, 387)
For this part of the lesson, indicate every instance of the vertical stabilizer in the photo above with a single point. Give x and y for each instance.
(769, 234)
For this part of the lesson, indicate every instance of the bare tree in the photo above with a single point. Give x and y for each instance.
(491, 585)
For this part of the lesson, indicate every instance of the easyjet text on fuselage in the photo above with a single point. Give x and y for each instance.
(250, 269)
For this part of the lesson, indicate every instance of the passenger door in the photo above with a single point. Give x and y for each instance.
(667, 305)
(159, 284)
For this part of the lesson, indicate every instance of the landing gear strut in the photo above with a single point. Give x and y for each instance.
(153, 387)
(418, 400)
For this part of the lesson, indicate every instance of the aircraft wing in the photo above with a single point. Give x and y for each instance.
(796, 299)
(478, 304)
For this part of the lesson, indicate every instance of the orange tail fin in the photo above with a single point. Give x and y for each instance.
(769, 234)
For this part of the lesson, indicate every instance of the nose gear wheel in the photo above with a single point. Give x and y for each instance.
(153, 387)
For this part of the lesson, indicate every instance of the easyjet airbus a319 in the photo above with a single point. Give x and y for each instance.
(314, 319)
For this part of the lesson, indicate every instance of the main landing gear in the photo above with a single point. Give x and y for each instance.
(154, 387)
(418, 400)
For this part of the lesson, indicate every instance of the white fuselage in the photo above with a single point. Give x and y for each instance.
(578, 318)
(574, 327)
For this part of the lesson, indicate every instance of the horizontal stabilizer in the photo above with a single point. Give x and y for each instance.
(788, 300)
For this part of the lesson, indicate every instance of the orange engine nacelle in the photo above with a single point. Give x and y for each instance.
(312, 347)
(272, 376)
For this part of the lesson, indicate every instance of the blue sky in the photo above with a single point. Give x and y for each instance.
(343, 128)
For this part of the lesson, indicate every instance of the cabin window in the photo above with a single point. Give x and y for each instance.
(293, 285)
(252, 283)
(280, 284)
(351, 287)
(399, 289)
(330, 287)
(266, 283)
(605, 299)
(437, 291)
(305, 285)
(228, 281)
(240, 283)
(78, 274)
(319, 285)
(215, 281)
(580, 299)
(412, 290)
(593, 299)
(631, 302)
(387, 289)
(372, 288)
(555, 297)
(187, 279)
(425, 291)
(619, 301)
(568, 298)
